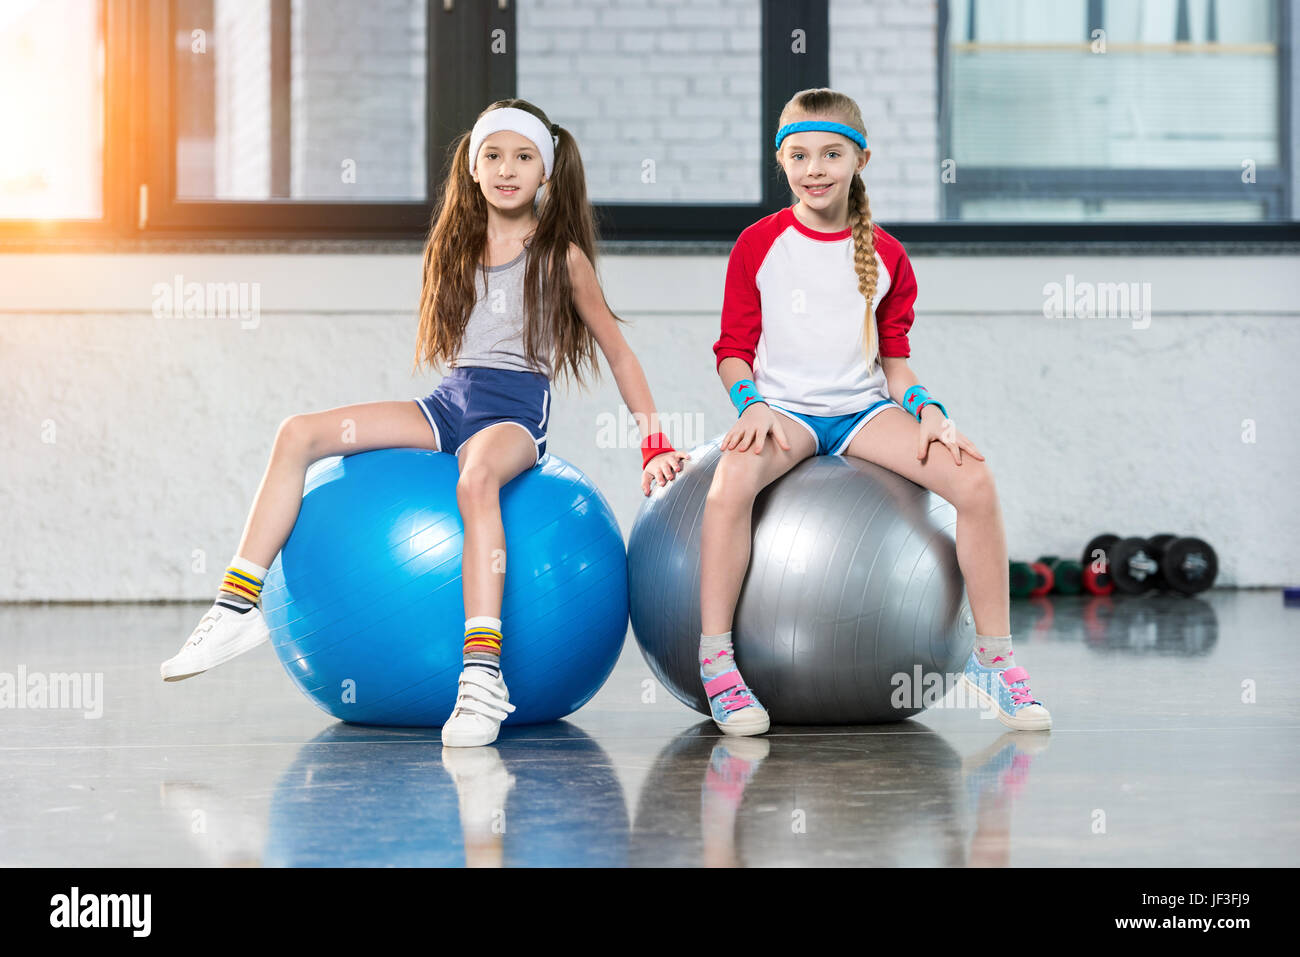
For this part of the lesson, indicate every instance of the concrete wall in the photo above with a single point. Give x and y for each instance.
(131, 444)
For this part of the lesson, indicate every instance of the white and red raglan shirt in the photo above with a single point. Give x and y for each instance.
(793, 311)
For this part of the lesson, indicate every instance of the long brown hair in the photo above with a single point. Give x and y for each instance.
(823, 102)
(458, 239)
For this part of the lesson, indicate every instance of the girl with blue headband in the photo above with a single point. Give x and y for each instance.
(848, 390)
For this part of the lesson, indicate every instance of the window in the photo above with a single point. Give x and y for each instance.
(1115, 110)
(1070, 111)
(286, 116)
(52, 164)
(280, 100)
(1017, 120)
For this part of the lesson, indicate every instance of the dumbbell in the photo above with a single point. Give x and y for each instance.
(1030, 580)
(1095, 565)
(1023, 579)
(1067, 575)
(1186, 565)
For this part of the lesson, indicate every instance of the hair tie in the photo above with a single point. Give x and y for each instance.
(555, 129)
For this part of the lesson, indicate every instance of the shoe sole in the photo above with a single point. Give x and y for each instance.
(744, 730)
(455, 742)
(235, 651)
(1015, 724)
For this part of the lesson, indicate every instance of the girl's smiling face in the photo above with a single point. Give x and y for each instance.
(818, 166)
(509, 170)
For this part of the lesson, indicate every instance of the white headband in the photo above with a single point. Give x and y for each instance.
(516, 121)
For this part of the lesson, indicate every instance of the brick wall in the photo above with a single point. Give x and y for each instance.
(358, 94)
(884, 55)
(639, 82)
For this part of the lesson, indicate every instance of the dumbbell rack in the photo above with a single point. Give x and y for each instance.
(1130, 566)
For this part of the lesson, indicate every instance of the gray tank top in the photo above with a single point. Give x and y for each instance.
(494, 335)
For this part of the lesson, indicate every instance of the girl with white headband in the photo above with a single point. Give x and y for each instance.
(846, 391)
(510, 299)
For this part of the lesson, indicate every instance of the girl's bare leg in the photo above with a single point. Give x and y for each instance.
(489, 460)
(890, 440)
(300, 441)
(726, 529)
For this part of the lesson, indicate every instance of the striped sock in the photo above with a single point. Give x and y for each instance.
(483, 644)
(242, 585)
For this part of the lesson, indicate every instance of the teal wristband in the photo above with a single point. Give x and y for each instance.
(917, 398)
(744, 394)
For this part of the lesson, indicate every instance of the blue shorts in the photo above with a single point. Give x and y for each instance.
(471, 398)
(833, 433)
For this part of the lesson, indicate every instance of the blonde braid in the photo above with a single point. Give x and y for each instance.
(864, 260)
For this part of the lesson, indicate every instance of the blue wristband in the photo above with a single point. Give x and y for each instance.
(744, 394)
(917, 398)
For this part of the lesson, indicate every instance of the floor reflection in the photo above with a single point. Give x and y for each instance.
(546, 796)
(1148, 624)
(874, 797)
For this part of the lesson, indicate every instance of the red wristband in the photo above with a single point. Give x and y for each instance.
(653, 445)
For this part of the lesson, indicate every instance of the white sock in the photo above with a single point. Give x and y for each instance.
(711, 647)
(988, 647)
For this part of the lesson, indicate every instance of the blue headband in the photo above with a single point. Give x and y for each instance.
(823, 125)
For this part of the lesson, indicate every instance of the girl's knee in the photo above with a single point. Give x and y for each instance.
(477, 483)
(736, 479)
(296, 437)
(975, 488)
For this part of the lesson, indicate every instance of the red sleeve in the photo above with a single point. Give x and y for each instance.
(742, 308)
(894, 315)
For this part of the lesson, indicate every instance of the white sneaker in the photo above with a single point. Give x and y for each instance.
(220, 635)
(482, 703)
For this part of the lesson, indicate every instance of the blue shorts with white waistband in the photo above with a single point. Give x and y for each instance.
(471, 398)
(833, 433)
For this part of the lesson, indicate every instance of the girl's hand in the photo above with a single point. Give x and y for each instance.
(752, 428)
(936, 428)
(663, 467)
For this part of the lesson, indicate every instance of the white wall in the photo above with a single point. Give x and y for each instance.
(128, 443)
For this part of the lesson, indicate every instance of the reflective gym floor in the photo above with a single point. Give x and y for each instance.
(1177, 725)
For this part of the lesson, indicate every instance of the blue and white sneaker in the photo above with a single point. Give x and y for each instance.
(1007, 691)
(735, 708)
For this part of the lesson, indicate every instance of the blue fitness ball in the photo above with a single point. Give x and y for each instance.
(365, 606)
